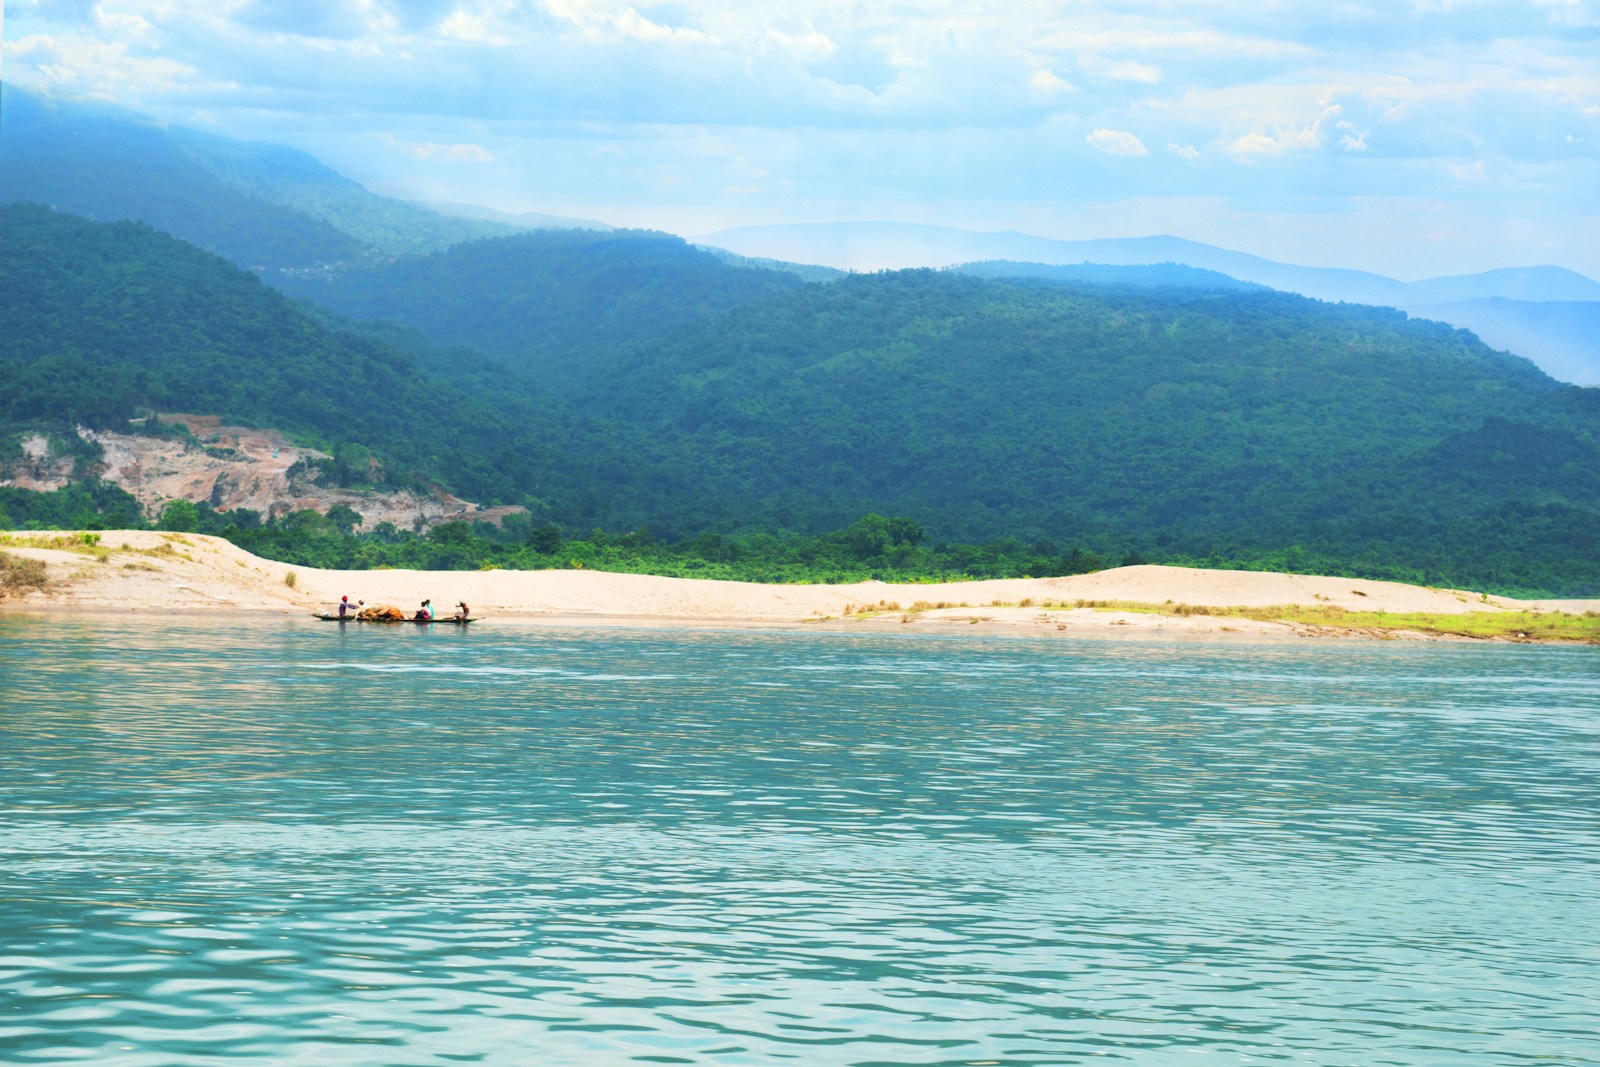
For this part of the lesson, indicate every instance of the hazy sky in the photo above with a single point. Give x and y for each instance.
(1410, 137)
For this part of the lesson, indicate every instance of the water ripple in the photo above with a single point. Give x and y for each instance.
(280, 844)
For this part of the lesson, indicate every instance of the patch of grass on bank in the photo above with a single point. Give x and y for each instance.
(18, 575)
(1483, 625)
(86, 543)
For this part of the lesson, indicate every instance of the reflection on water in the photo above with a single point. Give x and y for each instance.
(284, 843)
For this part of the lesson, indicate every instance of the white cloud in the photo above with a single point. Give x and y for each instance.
(122, 24)
(461, 153)
(1354, 139)
(1256, 144)
(808, 47)
(987, 102)
(475, 28)
(599, 22)
(1178, 39)
(1125, 70)
(1047, 84)
(632, 24)
(1583, 13)
(96, 68)
(1117, 143)
(1287, 138)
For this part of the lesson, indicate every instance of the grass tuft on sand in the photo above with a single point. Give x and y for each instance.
(18, 575)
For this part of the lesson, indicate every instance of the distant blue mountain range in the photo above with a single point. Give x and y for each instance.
(277, 209)
(1543, 313)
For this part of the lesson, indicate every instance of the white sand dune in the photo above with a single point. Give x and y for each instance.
(162, 573)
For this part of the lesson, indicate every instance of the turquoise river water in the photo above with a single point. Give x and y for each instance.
(237, 841)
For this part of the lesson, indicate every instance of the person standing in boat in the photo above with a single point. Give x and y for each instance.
(462, 611)
(425, 612)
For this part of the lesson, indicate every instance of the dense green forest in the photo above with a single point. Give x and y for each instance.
(562, 302)
(1233, 424)
(1048, 417)
(106, 322)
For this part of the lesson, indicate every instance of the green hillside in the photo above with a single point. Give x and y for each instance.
(551, 302)
(1041, 418)
(1203, 422)
(106, 321)
(293, 179)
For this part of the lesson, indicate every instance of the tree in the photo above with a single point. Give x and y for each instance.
(179, 515)
(451, 533)
(343, 518)
(545, 540)
(871, 535)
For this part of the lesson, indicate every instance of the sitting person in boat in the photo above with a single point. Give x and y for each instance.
(462, 611)
(347, 609)
(425, 612)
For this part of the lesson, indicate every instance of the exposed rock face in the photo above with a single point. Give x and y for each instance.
(231, 467)
(39, 469)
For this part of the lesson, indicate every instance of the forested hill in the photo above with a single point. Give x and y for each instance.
(294, 179)
(1234, 421)
(549, 302)
(105, 321)
(1179, 423)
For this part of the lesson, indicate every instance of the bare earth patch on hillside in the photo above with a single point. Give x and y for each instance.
(233, 467)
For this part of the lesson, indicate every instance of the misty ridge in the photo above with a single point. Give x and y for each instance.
(277, 209)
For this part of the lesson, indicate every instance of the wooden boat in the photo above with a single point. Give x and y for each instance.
(450, 620)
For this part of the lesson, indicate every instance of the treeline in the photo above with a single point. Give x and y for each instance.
(888, 549)
(873, 547)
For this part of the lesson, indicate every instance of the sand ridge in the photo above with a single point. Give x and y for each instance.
(148, 571)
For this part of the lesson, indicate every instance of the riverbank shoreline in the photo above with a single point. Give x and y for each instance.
(149, 572)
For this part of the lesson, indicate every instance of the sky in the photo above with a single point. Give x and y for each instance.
(1413, 138)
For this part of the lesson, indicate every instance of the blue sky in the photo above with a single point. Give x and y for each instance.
(1409, 137)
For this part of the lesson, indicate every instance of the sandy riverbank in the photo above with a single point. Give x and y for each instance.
(164, 573)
